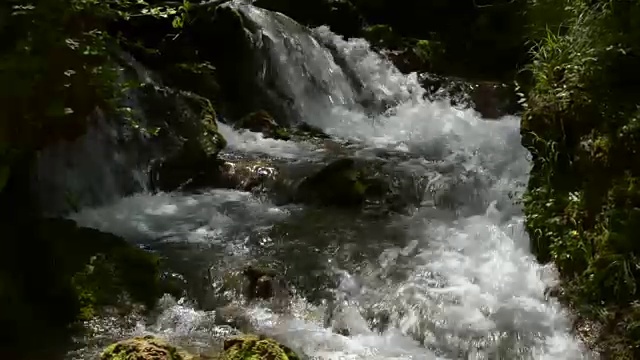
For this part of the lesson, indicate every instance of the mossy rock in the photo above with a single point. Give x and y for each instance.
(183, 115)
(188, 124)
(341, 183)
(144, 348)
(252, 347)
(256, 282)
(103, 269)
(83, 271)
(382, 36)
(262, 121)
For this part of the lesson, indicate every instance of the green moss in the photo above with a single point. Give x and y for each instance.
(383, 36)
(102, 268)
(250, 347)
(144, 348)
(341, 183)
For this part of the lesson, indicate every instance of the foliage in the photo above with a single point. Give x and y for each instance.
(582, 128)
(478, 39)
(58, 64)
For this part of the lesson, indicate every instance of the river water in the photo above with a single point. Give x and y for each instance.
(453, 276)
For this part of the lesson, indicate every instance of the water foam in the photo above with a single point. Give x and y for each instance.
(253, 142)
(210, 217)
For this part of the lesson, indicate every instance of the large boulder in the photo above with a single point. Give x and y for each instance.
(342, 183)
(83, 271)
(262, 121)
(250, 347)
(239, 347)
(256, 283)
(105, 271)
(144, 348)
(187, 124)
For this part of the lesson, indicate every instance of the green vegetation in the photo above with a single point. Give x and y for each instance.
(58, 63)
(58, 274)
(582, 126)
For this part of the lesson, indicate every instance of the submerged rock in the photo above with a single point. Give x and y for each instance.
(144, 348)
(248, 347)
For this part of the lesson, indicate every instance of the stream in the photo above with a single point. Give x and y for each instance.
(450, 278)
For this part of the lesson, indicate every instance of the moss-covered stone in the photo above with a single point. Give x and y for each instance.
(144, 348)
(251, 347)
(262, 121)
(382, 36)
(104, 270)
(83, 271)
(341, 183)
(187, 123)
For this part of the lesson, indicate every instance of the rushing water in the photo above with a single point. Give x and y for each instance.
(454, 282)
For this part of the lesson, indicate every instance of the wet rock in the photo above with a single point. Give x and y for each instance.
(261, 121)
(494, 99)
(248, 347)
(491, 99)
(247, 175)
(264, 283)
(555, 291)
(235, 316)
(189, 168)
(311, 131)
(407, 54)
(406, 60)
(107, 271)
(95, 273)
(144, 348)
(187, 124)
(341, 183)
(240, 67)
(255, 283)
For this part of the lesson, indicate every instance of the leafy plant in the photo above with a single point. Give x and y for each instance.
(581, 127)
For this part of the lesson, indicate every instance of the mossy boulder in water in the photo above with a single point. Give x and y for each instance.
(187, 122)
(252, 347)
(261, 121)
(83, 271)
(144, 348)
(104, 270)
(341, 183)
